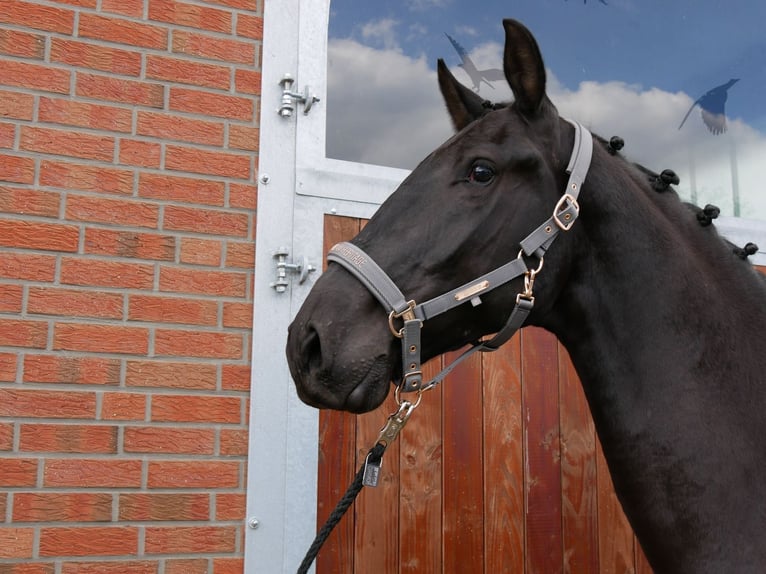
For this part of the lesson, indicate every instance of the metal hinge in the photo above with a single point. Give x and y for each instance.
(302, 268)
(289, 97)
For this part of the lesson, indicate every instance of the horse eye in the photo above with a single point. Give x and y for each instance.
(481, 174)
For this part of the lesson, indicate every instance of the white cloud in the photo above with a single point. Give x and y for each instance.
(385, 108)
(382, 32)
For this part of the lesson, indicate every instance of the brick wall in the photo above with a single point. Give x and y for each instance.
(128, 152)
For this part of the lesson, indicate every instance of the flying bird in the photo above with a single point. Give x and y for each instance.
(477, 76)
(712, 105)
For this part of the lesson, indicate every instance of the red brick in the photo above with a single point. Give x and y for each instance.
(111, 567)
(35, 76)
(34, 15)
(68, 438)
(17, 472)
(124, 406)
(240, 254)
(20, 403)
(170, 375)
(157, 507)
(23, 333)
(16, 169)
(211, 104)
(195, 251)
(166, 440)
(247, 82)
(203, 344)
(15, 105)
(190, 540)
(217, 163)
(8, 367)
(209, 221)
(238, 315)
(243, 195)
(82, 177)
(23, 201)
(62, 507)
(27, 266)
(230, 506)
(89, 541)
(101, 338)
(213, 48)
(218, 283)
(243, 137)
(116, 274)
(134, 8)
(68, 143)
(251, 5)
(187, 566)
(172, 310)
(57, 369)
(86, 115)
(116, 211)
(250, 26)
(228, 565)
(196, 408)
(89, 55)
(6, 439)
(180, 71)
(235, 377)
(174, 127)
(22, 44)
(121, 31)
(11, 298)
(7, 136)
(74, 303)
(30, 568)
(185, 189)
(16, 542)
(140, 153)
(120, 90)
(3, 503)
(131, 244)
(234, 442)
(183, 14)
(92, 473)
(36, 235)
(81, 3)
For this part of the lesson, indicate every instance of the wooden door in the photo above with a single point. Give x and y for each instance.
(498, 471)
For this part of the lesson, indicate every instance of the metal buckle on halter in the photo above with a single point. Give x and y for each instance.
(563, 208)
(408, 315)
(529, 280)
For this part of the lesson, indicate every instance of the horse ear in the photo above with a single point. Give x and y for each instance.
(463, 105)
(523, 66)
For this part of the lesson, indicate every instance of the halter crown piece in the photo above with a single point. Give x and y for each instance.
(413, 314)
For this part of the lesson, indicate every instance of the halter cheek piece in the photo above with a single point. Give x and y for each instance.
(412, 315)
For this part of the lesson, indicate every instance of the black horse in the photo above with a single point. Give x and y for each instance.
(664, 325)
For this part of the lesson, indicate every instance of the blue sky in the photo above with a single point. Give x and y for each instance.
(631, 68)
(675, 45)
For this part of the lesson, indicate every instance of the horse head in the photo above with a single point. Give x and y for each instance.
(460, 214)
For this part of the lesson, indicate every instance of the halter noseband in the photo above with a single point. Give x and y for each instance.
(412, 314)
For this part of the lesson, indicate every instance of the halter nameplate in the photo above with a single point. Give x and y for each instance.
(537, 243)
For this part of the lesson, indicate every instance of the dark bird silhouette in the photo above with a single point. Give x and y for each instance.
(712, 105)
(602, 1)
(477, 76)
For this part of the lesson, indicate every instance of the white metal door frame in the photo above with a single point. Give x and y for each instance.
(297, 187)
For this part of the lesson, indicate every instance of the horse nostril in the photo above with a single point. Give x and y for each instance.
(311, 350)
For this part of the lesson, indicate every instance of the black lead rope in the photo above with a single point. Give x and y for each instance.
(366, 476)
(373, 457)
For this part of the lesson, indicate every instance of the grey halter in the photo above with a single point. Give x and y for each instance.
(412, 314)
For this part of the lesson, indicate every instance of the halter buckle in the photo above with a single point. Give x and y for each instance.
(407, 314)
(566, 211)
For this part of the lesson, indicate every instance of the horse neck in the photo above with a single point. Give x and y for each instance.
(662, 323)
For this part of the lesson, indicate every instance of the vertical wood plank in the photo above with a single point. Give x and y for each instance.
(544, 546)
(337, 449)
(376, 546)
(579, 486)
(420, 505)
(503, 460)
(463, 518)
(616, 553)
(642, 564)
